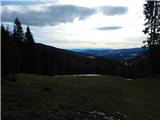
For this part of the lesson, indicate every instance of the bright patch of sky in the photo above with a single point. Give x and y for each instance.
(80, 23)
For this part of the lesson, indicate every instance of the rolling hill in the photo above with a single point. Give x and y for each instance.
(113, 53)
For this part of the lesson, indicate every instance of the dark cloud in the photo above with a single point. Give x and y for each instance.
(109, 28)
(25, 2)
(113, 10)
(53, 15)
(17, 3)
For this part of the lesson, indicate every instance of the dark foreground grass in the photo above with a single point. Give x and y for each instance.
(35, 97)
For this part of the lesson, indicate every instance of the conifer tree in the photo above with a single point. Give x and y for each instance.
(18, 33)
(152, 30)
(152, 23)
(28, 36)
(5, 31)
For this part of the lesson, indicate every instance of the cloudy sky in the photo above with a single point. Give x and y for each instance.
(80, 23)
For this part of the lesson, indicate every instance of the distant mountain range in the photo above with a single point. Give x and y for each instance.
(112, 53)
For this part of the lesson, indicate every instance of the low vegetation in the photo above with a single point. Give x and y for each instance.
(37, 97)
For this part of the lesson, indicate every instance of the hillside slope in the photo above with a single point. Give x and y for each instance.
(47, 60)
(33, 97)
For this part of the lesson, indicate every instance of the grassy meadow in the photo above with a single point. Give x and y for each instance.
(38, 97)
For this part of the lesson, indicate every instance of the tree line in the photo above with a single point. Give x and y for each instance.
(17, 48)
(20, 54)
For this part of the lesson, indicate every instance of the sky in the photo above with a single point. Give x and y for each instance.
(79, 23)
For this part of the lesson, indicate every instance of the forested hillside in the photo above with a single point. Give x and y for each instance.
(20, 54)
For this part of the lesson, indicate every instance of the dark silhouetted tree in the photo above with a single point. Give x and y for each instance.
(9, 53)
(152, 24)
(18, 33)
(29, 52)
(152, 30)
(28, 36)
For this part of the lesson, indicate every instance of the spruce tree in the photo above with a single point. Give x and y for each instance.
(152, 23)
(18, 33)
(28, 36)
(152, 30)
(5, 31)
